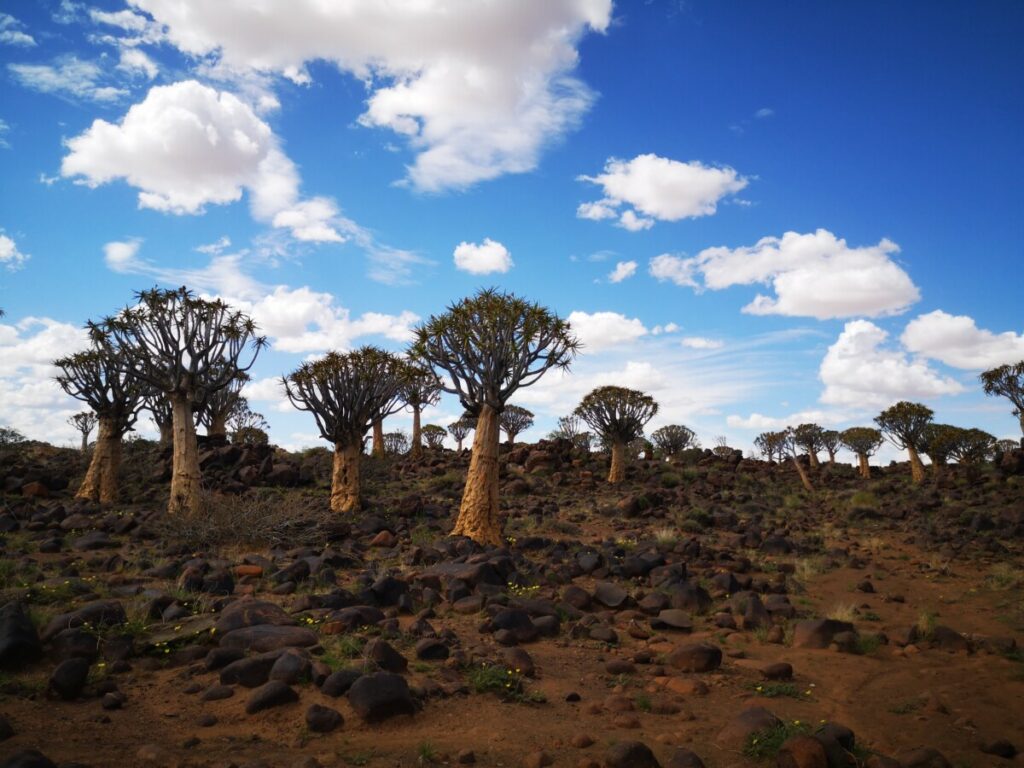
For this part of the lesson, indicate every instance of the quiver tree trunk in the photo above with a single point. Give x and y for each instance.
(813, 457)
(345, 490)
(831, 457)
(85, 442)
(916, 467)
(166, 434)
(865, 468)
(416, 451)
(804, 477)
(617, 472)
(186, 479)
(378, 438)
(101, 479)
(478, 514)
(218, 428)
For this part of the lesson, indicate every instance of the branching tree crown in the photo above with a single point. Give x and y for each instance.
(460, 429)
(617, 414)
(863, 441)
(98, 378)
(346, 392)
(83, 422)
(939, 441)
(974, 446)
(396, 443)
(809, 437)
(434, 435)
(1007, 381)
(904, 424)
(421, 388)
(772, 445)
(515, 419)
(218, 406)
(492, 344)
(673, 438)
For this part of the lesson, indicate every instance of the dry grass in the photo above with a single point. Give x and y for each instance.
(843, 612)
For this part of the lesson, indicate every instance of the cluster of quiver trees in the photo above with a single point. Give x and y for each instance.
(185, 360)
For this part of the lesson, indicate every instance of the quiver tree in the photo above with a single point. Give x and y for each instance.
(159, 408)
(186, 348)
(434, 436)
(904, 424)
(421, 390)
(830, 442)
(345, 393)
(973, 446)
(460, 429)
(246, 426)
(618, 415)
(84, 422)
(583, 441)
(1004, 446)
(1008, 381)
(567, 428)
(791, 447)
(514, 420)
(772, 445)
(809, 438)
(216, 409)
(672, 439)
(864, 442)
(490, 345)
(938, 443)
(396, 443)
(97, 378)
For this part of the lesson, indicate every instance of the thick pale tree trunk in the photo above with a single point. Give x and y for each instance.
(916, 467)
(100, 481)
(814, 459)
(417, 435)
(460, 444)
(478, 513)
(1022, 427)
(186, 479)
(85, 442)
(345, 490)
(831, 457)
(218, 427)
(617, 471)
(378, 438)
(865, 468)
(166, 434)
(804, 477)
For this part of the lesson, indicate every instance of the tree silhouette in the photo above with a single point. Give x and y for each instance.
(1007, 381)
(396, 443)
(97, 378)
(864, 442)
(974, 446)
(618, 415)
(346, 393)
(159, 408)
(460, 429)
(84, 422)
(904, 424)
(216, 409)
(938, 441)
(791, 447)
(673, 438)
(422, 389)
(491, 345)
(186, 348)
(809, 438)
(830, 442)
(514, 420)
(433, 436)
(246, 425)
(772, 445)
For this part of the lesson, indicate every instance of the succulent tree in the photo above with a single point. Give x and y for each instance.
(938, 443)
(491, 345)
(792, 447)
(618, 415)
(10, 436)
(460, 429)
(584, 441)
(904, 424)
(1007, 381)
(434, 435)
(97, 378)
(159, 408)
(809, 438)
(514, 420)
(422, 389)
(772, 445)
(396, 443)
(831, 443)
(186, 348)
(216, 409)
(346, 393)
(1004, 445)
(567, 428)
(246, 425)
(973, 446)
(864, 442)
(84, 422)
(672, 439)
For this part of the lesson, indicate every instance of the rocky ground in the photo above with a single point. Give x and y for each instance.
(706, 612)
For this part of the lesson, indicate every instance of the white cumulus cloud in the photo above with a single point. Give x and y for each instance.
(68, 76)
(10, 256)
(482, 258)
(813, 275)
(858, 370)
(957, 340)
(600, 330)
(650, 187)
(623, 271)
(12, 32)
(478, 89)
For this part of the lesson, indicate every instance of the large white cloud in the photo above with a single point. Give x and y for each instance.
(482, 258)
(186, 146)
(10, 256)
(600, 330)
(813, 275)
(957, 340)
(477, 88)
(859, 371)
(652, 187)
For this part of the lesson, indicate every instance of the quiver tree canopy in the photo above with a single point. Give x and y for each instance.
(830, 442)
(673, 438)
(160, 408)
(216, 409)
(246, 425)
(809, 437)
(973, 446)
(515, 419)
(772, 445)
(422, 388)
(939, 441)
(489, 346)
(460, 429)
(1007, 381)
(346, 393)
(84, 422)
(863, 441)
(618, 415)
(904, 424)
(186, 348)
(97, 377)
(433, 436)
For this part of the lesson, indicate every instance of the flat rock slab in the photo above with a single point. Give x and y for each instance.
(251, 613)
(186, 629)
(269, 637)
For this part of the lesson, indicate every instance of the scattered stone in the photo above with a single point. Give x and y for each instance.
(19, 642)
(818, 633)
(631, 754)
(69, 678)
(272, 694)
(322, 719)
(698, 657)
(381, 696)
(802, 751)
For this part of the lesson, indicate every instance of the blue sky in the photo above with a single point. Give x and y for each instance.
(761, 214)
